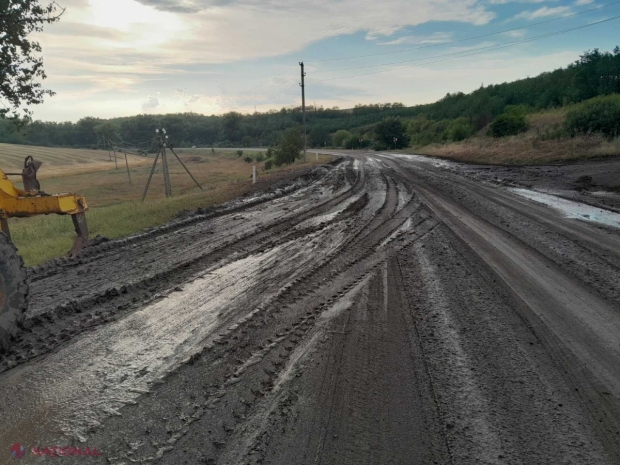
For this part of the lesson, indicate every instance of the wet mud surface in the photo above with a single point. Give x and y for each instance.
(382, 309)
(595, 183)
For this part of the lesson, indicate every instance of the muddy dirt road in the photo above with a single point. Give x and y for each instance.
(382, 310)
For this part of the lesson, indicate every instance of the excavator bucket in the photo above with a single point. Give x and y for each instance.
(81, 229)
(29, 175)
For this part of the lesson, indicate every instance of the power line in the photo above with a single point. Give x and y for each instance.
(279, 93)
(452, 55)
(459, 54)
(467, 38)
(283, 92)
(239, 96)
(258, 102)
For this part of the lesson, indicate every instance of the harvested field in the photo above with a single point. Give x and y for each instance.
(60, 162)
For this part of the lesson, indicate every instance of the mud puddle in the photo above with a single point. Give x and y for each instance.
(111, 367)
(572, 209)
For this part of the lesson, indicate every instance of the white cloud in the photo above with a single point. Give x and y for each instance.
(105, 56)
(515, 34)
(127, 46)
(503, 2)
(542, 12)
(431, 83)
(583, 2)
(186, 98)
(435, 38)
(226, 31)
(150, 103)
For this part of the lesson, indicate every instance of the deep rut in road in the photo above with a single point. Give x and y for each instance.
(342, 320)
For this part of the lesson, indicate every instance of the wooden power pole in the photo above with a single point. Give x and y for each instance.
(303, 103)
(164, 143)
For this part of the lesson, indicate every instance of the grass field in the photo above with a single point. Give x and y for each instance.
(115, 206)
(532, 147)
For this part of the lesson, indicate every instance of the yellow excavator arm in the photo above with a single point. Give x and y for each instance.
(26, 202)
(16, 203)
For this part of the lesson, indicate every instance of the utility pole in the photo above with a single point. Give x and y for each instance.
(114, 148)
(127, 165)
(164, 162)
(303, 104)
(163, 143)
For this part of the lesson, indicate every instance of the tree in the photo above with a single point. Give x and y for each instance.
(598, 115)
(340, 137)
(508, 124)
(319, 136)
(391, 133)
(357, 142)
(459, 130)
(289, 147)
(86, 131)
(231, 124)
(107, 130)
(21, 65)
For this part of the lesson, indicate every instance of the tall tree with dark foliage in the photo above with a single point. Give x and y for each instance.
(21, 64)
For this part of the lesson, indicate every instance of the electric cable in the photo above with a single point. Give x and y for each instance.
(468, 38)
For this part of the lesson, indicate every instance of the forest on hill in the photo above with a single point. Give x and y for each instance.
(454, 117)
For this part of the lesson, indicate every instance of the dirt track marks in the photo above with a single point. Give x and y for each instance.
(70, 296)
(273, 329)
(367, 332)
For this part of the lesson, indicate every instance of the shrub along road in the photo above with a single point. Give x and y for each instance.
(378, 310)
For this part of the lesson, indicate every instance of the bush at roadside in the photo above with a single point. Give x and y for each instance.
(289, 147)
(508, 124)
(597, 115)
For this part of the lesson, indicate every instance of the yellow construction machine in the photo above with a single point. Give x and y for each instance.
(19, 203)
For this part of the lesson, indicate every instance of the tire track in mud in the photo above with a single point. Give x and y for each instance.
(568, 344)
(364, 331)
(91, 253)
(588, 254)
(233, 393)
(356, 391)
(279, 324)
(60, 323)
(497, 384)
(351, 209)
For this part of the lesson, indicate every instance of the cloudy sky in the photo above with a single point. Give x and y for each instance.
(124, 57)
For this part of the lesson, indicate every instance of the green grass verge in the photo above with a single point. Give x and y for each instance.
(42, 238)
